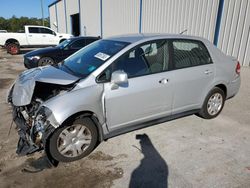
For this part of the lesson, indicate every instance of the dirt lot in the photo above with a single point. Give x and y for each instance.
(188, 152)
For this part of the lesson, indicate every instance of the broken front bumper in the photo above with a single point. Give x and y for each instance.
(33, 132)
(25, 145)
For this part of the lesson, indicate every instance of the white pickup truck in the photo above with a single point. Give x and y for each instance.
(33, 36)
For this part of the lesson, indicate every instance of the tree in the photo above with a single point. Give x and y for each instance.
(15, 24)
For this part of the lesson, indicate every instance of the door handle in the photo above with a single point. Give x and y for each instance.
(163, 81)
(44, 35)
(30, 35)
(208, 72)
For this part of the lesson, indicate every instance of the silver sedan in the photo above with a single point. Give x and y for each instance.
(116, 85)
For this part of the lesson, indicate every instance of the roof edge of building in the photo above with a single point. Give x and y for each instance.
(54, 3)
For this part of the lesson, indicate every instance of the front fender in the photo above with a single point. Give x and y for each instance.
(82, 99)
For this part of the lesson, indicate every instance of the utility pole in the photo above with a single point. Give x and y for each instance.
(42, 11)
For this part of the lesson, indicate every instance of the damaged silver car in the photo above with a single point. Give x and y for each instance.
(117, 85)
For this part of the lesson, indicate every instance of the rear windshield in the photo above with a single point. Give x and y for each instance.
(88, 59)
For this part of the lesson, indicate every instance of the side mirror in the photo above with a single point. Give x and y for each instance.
(119, 78)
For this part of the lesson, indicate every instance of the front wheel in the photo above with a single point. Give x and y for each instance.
(73, 142)
(213, 104)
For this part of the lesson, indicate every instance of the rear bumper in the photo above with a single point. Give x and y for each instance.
(233, 87)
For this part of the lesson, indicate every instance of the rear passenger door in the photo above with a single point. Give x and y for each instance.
(48, 36)
(194, 72)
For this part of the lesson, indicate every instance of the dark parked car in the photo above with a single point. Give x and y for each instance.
(54, 55)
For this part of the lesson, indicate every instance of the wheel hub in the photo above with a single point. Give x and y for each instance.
(214, 104)
(74, 140)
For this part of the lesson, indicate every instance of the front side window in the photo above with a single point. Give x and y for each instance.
(189, 53)
(148, 58)
(88, 59)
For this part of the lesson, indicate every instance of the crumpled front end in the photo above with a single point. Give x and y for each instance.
(32, 132)
(24, 87)
(33, 120)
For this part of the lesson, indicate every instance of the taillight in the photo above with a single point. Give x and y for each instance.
(237, 70)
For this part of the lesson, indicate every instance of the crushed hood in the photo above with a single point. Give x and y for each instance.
(25, 83)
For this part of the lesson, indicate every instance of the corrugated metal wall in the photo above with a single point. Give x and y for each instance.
(175, 16)
(61, 17)
(114, 17)
(52, 15)
(120, 16)
(90, 17)
(234, 37)
(72, 8)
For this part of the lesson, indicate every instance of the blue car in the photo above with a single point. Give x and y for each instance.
(54, 55)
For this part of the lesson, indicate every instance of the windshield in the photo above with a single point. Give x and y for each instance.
(88, 59)
(64, 44)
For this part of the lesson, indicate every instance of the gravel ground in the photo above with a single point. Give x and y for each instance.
(188, 152)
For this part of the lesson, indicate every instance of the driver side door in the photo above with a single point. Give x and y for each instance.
(148, 94)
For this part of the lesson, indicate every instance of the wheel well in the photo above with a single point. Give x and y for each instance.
(11, 41)
(223, 88)
(92, 116)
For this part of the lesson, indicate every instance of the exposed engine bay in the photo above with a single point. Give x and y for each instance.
(27, 96)
(33, 128)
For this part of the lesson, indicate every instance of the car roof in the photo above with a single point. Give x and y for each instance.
(84, 37)
(132, 38)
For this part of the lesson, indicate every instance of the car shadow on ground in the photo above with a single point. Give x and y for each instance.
(153, 170)
(38, 165)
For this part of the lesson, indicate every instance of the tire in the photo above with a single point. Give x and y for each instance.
(73, 142)
(13, 48)
(46, 61)
(213, 104)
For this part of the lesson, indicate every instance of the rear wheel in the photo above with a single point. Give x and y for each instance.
(71, 143)
(213, 104)
(46, 61)
(13, 48)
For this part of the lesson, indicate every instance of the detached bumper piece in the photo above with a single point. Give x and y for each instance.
(25, 146)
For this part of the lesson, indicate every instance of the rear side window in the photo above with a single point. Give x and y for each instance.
(34, 30)
(78, 44)
(88, 41)
(189, 53)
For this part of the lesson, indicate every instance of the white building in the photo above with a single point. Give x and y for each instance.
(226, 23)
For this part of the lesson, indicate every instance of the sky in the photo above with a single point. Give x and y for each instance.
(26, 8)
